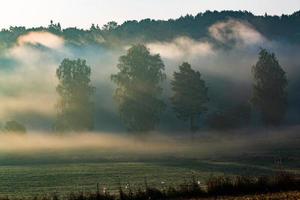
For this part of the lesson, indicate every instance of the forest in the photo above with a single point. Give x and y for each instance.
(283, 27)
(153, 75)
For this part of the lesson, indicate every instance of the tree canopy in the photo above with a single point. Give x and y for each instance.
(139, 91)
(75, 106)
(269, 88)
(273, 27)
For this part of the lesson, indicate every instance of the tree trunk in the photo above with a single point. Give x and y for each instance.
(193, 126)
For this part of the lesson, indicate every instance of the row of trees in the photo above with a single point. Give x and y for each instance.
(139, 92)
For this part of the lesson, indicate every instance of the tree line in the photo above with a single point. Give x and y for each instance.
(139, 93)
(284, 27)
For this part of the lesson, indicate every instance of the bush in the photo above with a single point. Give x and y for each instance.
(241, 185)
(15, 127)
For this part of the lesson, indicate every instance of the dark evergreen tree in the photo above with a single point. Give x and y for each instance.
(190, 94)
(269, 88)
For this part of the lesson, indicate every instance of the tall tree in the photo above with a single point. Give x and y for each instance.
(190, 94)
(75, 106)
(110, 26)
(139, 91)
(269, 88)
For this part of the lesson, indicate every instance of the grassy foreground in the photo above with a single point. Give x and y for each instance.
(27, 172)
(216, 187)
(62, 177)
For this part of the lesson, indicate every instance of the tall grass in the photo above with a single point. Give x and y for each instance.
(241, 185)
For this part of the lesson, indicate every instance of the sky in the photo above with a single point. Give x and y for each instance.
(82, 13)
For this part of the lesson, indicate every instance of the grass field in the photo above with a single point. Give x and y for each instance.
(47, 172)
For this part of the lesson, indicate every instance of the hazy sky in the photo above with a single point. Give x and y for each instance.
(82, 13)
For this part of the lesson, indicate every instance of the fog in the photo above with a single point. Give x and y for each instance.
(208, 145)
(225, 58)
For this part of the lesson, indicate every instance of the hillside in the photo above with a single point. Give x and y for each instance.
(285, 27)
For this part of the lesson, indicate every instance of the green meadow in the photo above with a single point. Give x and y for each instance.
(75, 170)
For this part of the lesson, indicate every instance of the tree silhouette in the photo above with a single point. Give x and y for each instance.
(55, 28)
(110, 26)
(190, 94)
(149, 30)
(138, 92)
(75, 107)
(269, 88)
